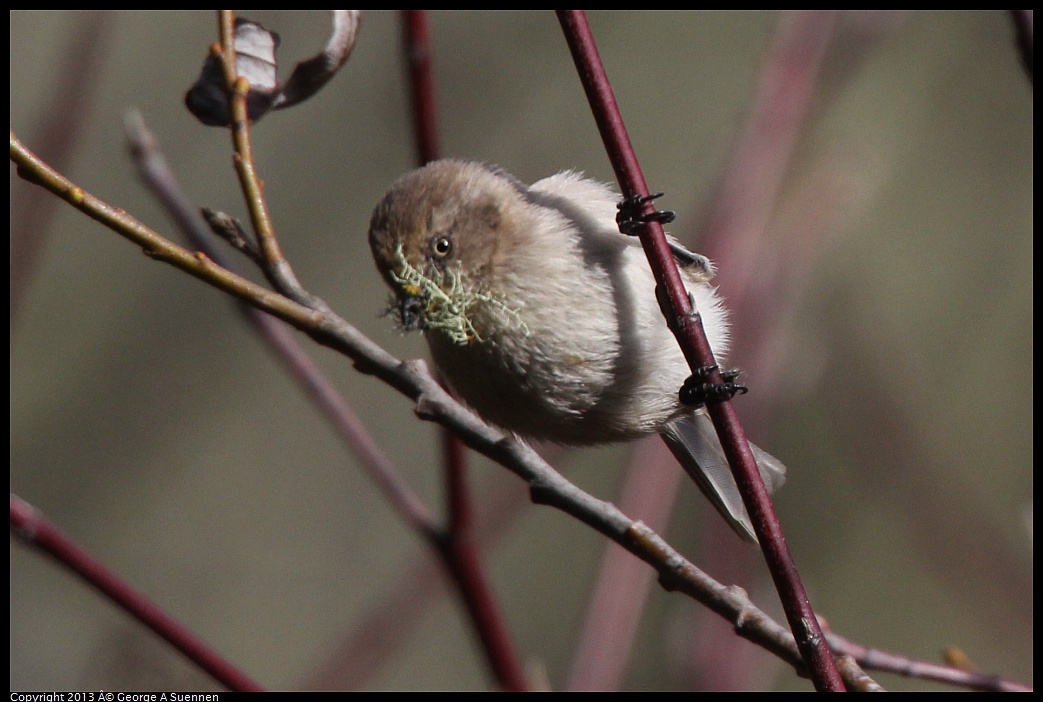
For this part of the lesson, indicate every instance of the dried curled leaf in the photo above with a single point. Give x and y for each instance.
(255, 49)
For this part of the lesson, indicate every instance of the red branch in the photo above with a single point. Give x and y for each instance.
(32, 527)
(457, 543)
(684, 321)
(417, 41)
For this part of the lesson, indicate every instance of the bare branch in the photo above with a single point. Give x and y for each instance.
(887, 662)
(34, 529)
(405, 605)
(412, 379)
(685, 322)
(459, 547)
(158, 176)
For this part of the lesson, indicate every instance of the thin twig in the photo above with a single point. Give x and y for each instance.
(458, 545)
(34, 529)
(229, 229)
(687, 327)
(276, 268)
(463, 560)
(160, 179)
(885, 661)
(862, 682)
(412, 379)
(453, 544)
(199, 265)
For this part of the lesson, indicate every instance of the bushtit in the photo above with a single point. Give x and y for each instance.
(543, 317)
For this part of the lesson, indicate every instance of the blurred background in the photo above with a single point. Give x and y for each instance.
(894, 361)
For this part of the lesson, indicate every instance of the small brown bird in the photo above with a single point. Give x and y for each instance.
(543, 317)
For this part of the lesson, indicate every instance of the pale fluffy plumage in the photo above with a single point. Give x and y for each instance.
(541, 315)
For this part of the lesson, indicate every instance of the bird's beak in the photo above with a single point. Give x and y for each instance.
(411, 310)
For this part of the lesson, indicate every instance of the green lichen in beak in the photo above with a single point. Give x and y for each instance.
(446, 303)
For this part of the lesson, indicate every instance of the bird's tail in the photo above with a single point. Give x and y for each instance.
(694, 442)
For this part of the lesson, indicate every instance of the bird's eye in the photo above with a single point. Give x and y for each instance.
(442, 246)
